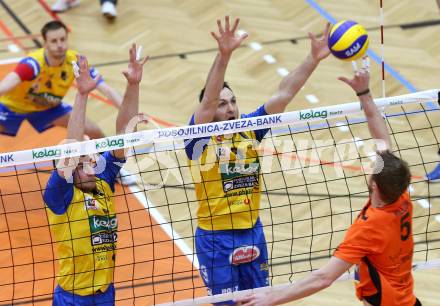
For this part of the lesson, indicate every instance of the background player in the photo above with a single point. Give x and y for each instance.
(380, 241)
(36, 88)
(228, 222)
(82, 213)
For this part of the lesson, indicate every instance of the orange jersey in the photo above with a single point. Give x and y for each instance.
(380, 242)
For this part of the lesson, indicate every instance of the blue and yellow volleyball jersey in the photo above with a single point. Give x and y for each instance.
(84, 227)
(227, 178)
(44, 88)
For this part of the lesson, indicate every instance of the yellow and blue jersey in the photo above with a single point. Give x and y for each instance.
(84, 226)
(43, 87)
(227, 177)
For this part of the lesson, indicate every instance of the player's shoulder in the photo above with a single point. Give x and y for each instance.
(71, 55)
(37, 54)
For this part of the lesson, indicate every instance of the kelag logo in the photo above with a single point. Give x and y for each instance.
(102, 223)
(6, 158)
(103, 229)
(312, 114)
(37, 154)
(119, 143)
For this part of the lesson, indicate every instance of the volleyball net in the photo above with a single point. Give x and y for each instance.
(313, 164)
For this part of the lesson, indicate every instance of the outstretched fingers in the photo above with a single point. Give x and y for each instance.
(327, 30)
(345, 80)
(220, 28)
(235, 26)
(227, 25)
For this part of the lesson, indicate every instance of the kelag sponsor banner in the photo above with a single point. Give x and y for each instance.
(204, 130)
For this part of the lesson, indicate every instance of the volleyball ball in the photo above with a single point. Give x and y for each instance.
(348, 40)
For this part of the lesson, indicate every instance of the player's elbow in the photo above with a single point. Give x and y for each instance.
(284, 97)
(323, 280)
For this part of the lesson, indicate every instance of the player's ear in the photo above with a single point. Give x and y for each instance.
(373, 186)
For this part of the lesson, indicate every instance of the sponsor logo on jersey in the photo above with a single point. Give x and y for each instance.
(244, 254)
(90, 203)
(103, 229)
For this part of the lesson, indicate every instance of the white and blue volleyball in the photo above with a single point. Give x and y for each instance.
(348, 40)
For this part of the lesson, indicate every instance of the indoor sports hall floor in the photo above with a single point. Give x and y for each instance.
(176, 36)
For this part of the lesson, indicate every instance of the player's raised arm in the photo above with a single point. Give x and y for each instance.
(295, 80)
(376, 123)
(227, 42)
(85, 83)
(130, 104)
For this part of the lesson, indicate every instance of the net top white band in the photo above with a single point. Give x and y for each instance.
(204, 130)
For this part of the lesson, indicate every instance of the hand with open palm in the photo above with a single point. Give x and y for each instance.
(320, 49)
(226, 39)
(135, 66)
(84, 81)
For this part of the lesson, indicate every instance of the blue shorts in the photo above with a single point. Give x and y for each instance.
(66, 298)
(232, 260)
(41, 121)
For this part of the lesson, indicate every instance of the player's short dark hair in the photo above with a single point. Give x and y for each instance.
(52, 26)
(202, 92)
(394, 178)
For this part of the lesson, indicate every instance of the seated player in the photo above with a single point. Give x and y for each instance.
(81, 210)
(379, 242)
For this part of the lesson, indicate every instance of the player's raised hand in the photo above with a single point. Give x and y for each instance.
(360, 81)
(226, 39)
(135, 66)
(84, 81)
(319, 45)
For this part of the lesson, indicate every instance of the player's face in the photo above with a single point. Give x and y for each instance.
(84, 177)
(56, 43)
(227, 107)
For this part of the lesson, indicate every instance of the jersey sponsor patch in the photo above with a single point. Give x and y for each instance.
(103, 229)
(240, 182)
(90, 203)
(244, 254)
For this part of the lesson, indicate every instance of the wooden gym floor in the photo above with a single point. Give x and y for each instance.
(176, 35)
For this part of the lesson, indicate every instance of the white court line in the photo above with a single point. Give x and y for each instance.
(256, 46)
(437, 218)
(283, 72)
(342, 126)
(312, 99)
(424, 203)
(152, 210)
(268, 58)
(14, 48)
(10, 60)
(241, 32)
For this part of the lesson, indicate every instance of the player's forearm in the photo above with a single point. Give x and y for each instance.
(77, 121)
(129, 108)
(213, 87)
(376, 123)
(111, 94)
(290, 85)
(9, 82)
(314, 282)
(296, 79)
